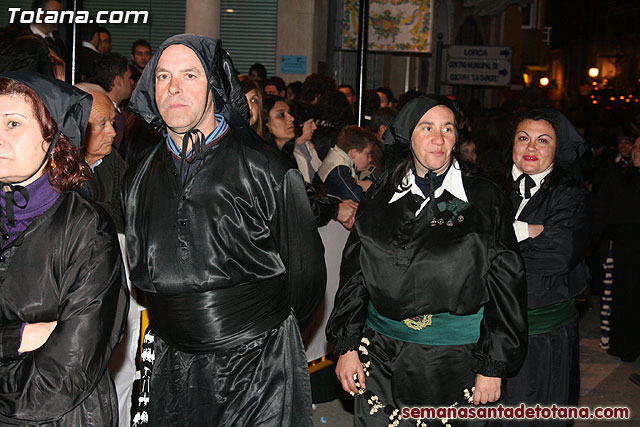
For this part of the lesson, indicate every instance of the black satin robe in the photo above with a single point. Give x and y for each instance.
(556, 272)
(237, 236)
(66, 266)
(554, 260)
(241, 218)
(617, 220)
(407, 268)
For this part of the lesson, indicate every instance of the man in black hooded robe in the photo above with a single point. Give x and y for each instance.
(222, 239)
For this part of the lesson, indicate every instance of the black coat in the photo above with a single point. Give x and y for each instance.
(67, 267)
(242, 217)
(554, 260)
(407, 267)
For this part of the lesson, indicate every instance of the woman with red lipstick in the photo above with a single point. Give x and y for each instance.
(552, 224)
(432, 300)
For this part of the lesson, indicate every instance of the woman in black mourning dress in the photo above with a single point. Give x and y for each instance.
(432, 301)
(552, 223)
(63, 302)
(617, 219)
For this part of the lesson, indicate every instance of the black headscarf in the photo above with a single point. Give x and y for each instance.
(69, 106)
(222, 78)
(397, 138)
(570, 145)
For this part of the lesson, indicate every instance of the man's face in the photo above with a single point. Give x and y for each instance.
(141, 56)
(105, 43)
(384, 101)
(273, 90)
(50, 27)
(125, 85)
(624, 146)
(101, 129)
(351, 97)
(181, 90)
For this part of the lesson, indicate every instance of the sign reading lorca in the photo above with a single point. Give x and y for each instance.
(479, 65)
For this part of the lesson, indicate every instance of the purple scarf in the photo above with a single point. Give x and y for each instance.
(41, 197)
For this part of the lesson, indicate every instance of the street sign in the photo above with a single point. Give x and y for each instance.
(479, 65)
(480, 52)
(492, 72)
(290, 64)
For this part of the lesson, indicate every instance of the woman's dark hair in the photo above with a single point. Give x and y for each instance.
(70, 170)
(268, 102)
(551, 181)
(333, 110)
(315, 85)
(536, 116)
(286, 150)
(247, 86)
(295, 88)
(259, 68)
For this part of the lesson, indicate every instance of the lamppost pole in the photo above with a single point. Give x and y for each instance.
(363, 43)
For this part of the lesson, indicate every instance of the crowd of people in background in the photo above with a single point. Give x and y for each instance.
(312, 126)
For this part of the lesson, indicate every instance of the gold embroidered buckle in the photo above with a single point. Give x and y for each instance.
(418, 322)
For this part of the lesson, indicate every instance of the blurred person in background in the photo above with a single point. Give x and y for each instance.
(140, 54)
(258, 73)
(253, 93)
(275, 86)
(105, 40)
(349, 93)
(293, 91)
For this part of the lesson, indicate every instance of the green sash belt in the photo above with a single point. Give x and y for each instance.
(552, 317)
(429, 329)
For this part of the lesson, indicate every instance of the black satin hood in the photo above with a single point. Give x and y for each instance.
(69, 106)
(397, 138)
(222, 77)
(570, 145)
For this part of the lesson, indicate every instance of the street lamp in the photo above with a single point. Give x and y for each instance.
(593, 72)
(544, 81)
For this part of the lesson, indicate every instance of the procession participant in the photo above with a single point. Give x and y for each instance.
(553, 226)
(222, 240)
(433, 303)
(63, 300)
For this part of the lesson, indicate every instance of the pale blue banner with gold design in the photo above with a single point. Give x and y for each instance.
(394, 25)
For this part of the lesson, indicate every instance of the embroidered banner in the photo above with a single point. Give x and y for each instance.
(394, 25)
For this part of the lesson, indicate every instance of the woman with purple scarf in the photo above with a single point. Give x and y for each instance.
(62, 297)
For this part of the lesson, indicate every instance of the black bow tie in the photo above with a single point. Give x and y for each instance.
(529, 183)
(10, 202)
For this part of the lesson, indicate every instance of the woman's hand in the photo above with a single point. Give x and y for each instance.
(308, 128)
(535, 230)
(347, 213)
(35, 335)
(348, 365)
(487, 389)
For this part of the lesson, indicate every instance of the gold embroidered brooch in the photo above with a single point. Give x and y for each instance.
(418, 322)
